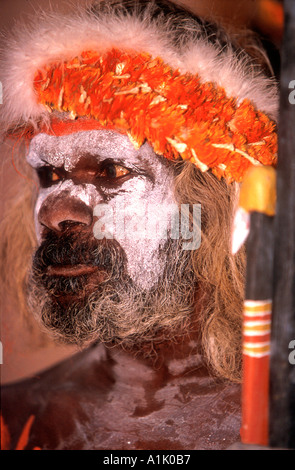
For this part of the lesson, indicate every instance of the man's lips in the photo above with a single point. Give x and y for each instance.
(70, 270)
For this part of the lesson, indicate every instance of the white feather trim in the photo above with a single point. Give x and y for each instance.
(57, 37)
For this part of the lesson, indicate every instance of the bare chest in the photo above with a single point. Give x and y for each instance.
(119, 405)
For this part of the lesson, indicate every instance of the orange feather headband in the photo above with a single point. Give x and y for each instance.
(177, 114)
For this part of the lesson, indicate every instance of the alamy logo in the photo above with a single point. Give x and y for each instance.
(149, 221)
(292, 353)
(292, 93)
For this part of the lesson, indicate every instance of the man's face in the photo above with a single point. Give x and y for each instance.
(113, 287)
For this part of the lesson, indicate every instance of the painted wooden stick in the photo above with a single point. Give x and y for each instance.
(256, 331)
(258, 199)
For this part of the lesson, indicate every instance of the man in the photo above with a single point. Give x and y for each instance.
(128, 109)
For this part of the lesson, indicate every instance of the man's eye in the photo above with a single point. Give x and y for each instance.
(112, 171)
(54, 176)
(48, 176)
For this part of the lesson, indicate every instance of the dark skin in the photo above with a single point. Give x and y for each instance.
(108, 398)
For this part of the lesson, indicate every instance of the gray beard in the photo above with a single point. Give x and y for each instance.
(116, 311)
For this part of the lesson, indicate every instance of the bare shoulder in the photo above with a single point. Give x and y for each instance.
(47, 403)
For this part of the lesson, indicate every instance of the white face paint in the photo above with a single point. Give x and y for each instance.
(151, 181)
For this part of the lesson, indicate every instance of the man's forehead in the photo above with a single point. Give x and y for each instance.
(66, 150)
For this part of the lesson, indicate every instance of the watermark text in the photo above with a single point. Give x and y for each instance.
(148, 221)
(292, 93)
(292, 353)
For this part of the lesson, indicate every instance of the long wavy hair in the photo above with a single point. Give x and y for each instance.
(220, 274)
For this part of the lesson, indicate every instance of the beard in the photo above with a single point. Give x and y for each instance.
(103, 303)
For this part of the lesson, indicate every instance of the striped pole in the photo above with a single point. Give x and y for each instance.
(257, 198)
(256, 354)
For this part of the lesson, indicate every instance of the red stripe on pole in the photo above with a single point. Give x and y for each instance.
(254, 400)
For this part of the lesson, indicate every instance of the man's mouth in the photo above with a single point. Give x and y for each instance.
(68, 282)
(71, 270)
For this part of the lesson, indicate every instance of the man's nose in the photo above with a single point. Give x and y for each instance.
(58, 213)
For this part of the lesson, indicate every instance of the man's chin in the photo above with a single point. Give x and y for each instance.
(79, 305)
(112, 314)
(67, 299)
